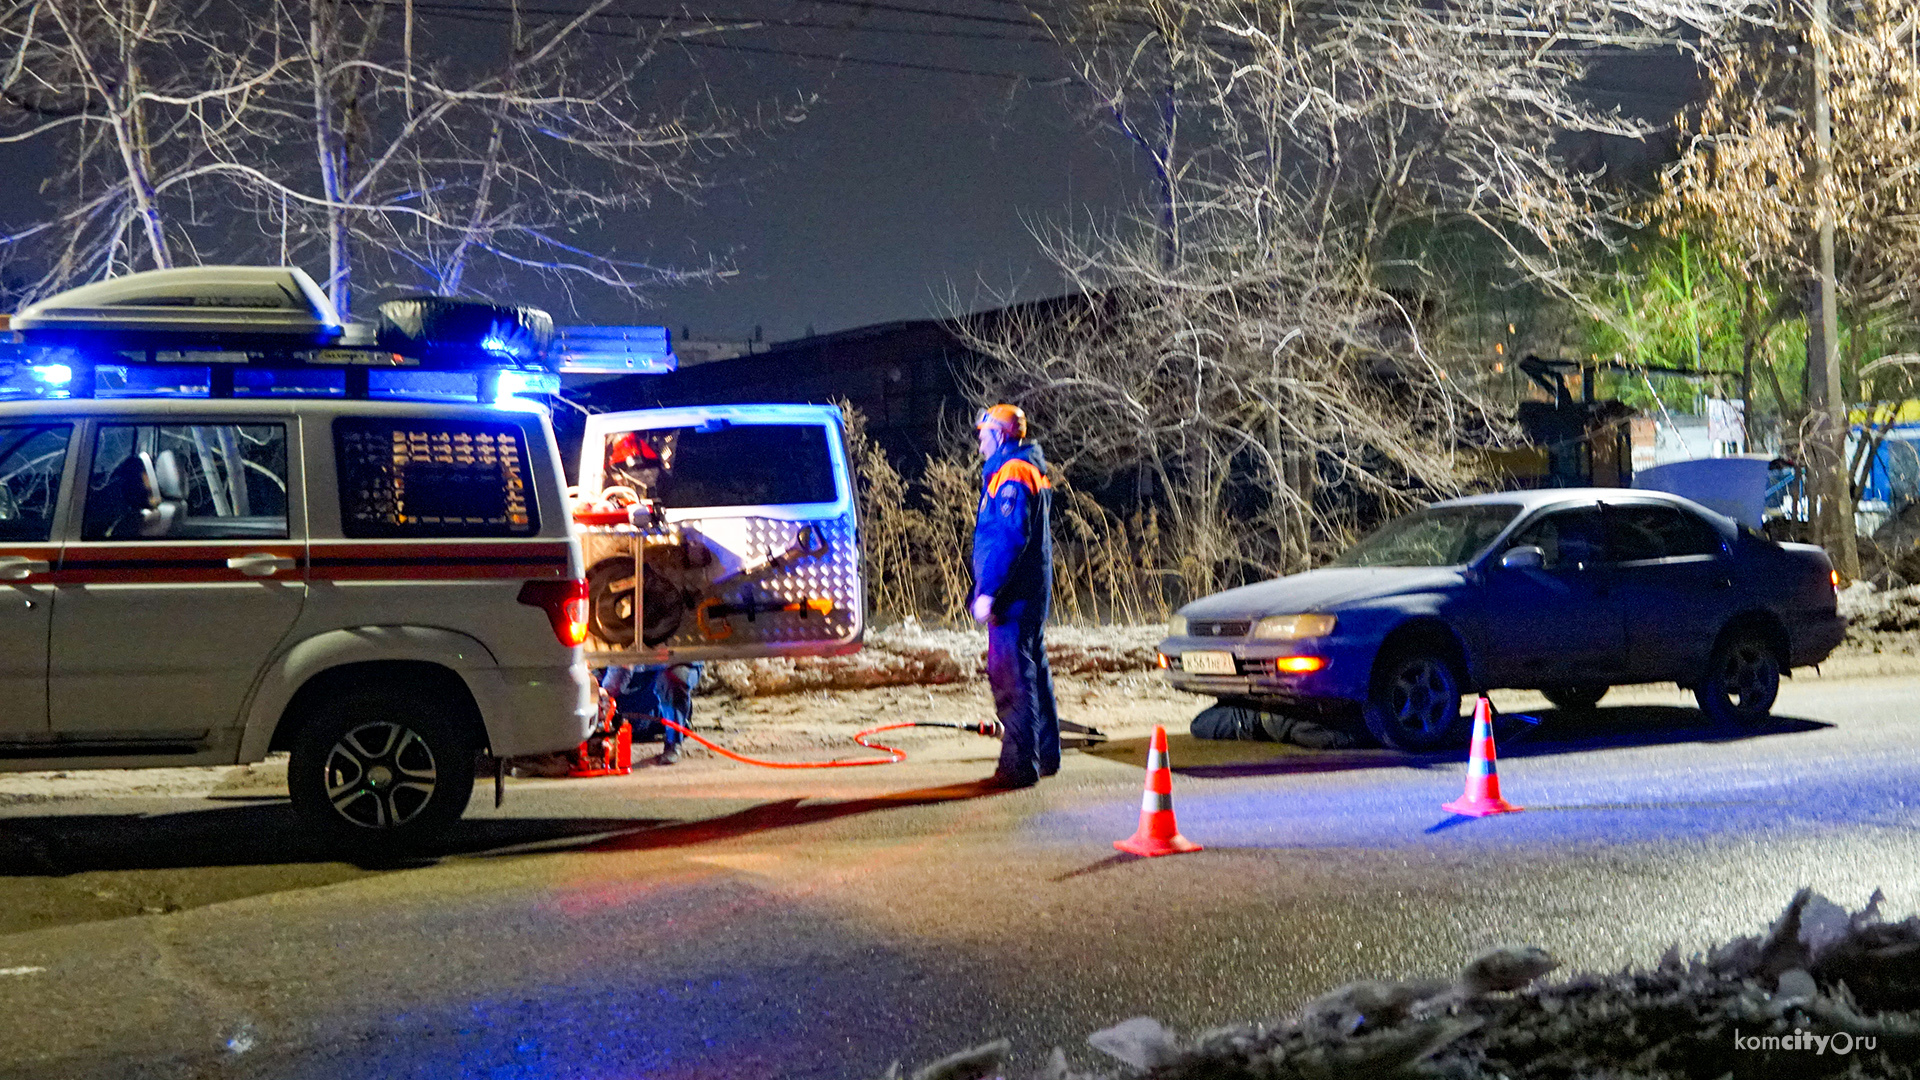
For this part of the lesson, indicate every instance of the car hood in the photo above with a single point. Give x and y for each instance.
(1320, 590)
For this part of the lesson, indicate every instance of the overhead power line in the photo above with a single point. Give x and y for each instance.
(495, 16)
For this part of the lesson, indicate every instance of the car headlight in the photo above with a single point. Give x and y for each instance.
(1292, 627)
(1177, 626)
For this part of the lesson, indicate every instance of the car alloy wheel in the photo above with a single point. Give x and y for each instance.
(1743, 680)
(381, 775)
(1415, 704)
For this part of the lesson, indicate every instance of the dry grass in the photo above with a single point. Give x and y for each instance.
(918, 541)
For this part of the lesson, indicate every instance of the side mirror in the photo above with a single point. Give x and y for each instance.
(1525, 557)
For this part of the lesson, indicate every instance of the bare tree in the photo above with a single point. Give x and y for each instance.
(396, 159)
(104, 82)
(1756, 176)
(1265, 345)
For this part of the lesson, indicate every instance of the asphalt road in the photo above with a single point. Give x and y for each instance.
(733, 923)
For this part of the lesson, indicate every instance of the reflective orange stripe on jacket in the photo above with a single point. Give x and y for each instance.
(1018, 470)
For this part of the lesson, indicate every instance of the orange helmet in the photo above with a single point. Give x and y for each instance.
(1010, 419)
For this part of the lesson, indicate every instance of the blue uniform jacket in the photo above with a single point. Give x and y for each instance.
(1012, 531)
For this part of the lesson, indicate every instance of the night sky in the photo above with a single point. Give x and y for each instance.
(903, 188)
(939, 135)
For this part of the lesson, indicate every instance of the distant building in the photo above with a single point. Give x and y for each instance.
(695, 351)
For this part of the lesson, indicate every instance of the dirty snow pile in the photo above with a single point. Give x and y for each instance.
(1822, 993)
(1881, 620)
(911, 654)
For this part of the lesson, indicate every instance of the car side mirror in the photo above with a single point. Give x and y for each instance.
(1524, 557)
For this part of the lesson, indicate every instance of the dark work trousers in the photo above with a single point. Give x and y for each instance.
(1023, 696)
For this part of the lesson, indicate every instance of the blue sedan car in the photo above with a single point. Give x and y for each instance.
(1566, 591)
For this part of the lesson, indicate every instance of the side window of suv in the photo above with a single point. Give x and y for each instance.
(415, 478)
(1643, 532)
(1569, 538)
(31, 457)
(187, 482)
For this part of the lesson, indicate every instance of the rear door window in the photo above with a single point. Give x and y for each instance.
(433, 478)
(187, 482)
(31, 459)
(1639, 533)
(724, 465)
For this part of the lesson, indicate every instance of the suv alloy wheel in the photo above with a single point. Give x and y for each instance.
(381, 767)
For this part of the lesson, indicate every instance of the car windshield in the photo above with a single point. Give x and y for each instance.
(1436, 536)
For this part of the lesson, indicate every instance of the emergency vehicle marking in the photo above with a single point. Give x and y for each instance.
(144, 564)
(199, 563)
(439, 562)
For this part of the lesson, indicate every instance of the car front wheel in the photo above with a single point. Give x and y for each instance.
(1414, 703)
(382, 768)
(1741, 681)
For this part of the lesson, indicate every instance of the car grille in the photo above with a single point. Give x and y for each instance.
(1219, 627)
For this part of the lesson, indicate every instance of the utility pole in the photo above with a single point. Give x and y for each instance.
(1827, 411)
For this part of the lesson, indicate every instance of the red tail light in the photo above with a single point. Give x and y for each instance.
(565, 603)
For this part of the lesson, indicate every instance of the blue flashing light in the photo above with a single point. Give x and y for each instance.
(53, 374)
(514, 383)
(495, 345)
(423, 385)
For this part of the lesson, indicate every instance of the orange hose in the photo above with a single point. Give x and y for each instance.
(897, 757)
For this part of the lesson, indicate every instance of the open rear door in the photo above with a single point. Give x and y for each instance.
(745, 541)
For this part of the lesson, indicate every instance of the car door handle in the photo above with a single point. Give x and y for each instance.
(15, 568)
(261, 565)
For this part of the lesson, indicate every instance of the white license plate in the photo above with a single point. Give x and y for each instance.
(1208, 663)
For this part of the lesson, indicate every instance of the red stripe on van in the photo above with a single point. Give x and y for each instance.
(439, 561)
(141, 564)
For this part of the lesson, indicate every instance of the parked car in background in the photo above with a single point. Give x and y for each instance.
(1567, 591)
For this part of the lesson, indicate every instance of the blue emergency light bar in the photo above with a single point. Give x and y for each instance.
(240, 331)
(612, 350)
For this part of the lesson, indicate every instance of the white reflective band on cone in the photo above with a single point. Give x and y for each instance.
(1154, 801)
(1156, 759)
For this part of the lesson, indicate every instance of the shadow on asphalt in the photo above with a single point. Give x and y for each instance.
(1557, 732)
(267, 833)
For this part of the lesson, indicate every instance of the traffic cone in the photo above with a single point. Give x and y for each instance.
(1482, 796)
(1158, 834)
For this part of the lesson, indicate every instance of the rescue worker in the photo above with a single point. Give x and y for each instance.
(1012, 593)
(644, 696)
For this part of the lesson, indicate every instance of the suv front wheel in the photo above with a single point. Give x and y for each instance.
(382, 767)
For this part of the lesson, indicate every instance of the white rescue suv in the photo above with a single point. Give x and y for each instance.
(231, 524)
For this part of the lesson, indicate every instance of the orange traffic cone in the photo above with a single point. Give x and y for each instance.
(1158, 834)
(1482, 796)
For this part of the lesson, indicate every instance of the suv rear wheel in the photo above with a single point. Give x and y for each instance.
(1575, 698)
(1414, 703)
(1741, 681)
(382, 767)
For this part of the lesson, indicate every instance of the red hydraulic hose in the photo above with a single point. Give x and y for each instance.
(895, 758)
